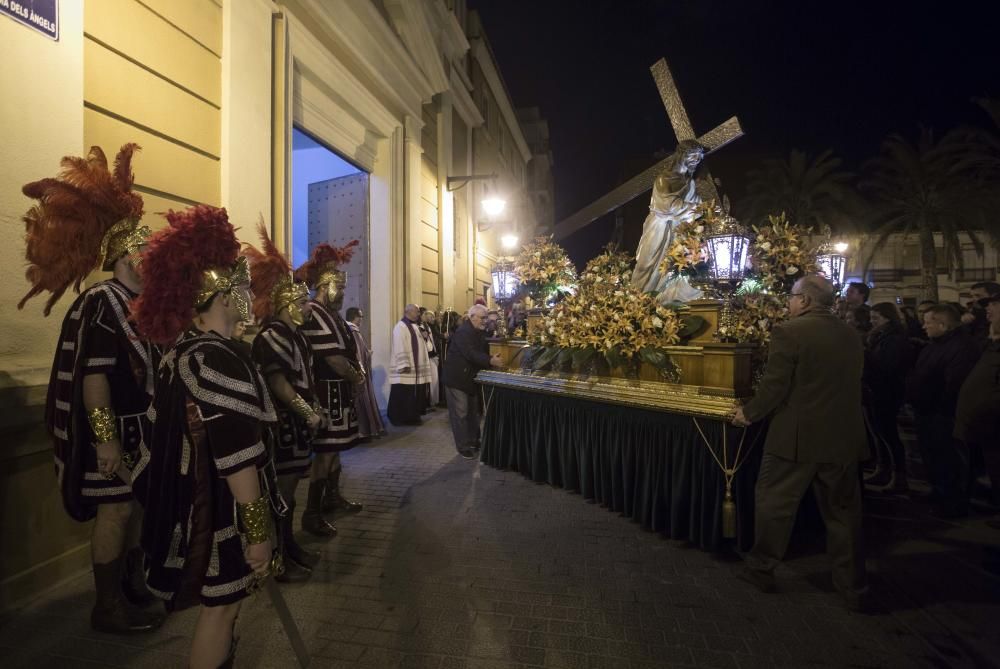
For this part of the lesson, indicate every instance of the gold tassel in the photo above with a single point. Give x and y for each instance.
(728, 516)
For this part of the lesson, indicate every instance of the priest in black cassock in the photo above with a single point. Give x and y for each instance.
(409, 371)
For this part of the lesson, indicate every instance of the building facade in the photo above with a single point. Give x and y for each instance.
(894, 271)
(407, 91)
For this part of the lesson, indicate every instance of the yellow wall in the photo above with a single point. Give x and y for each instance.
(122, 71)
(152, 75)
(41, 89)
(429, 247)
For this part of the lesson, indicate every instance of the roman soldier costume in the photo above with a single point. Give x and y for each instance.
(329, 338)
(87, 219)
(210, 412)
(284, 357)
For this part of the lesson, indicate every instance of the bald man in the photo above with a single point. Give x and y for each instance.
(409, 371)
(467, 357)
(811, 391)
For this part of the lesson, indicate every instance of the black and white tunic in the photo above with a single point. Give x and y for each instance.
(328, 336)
(209, 416)
(97, 338)
(282, 349)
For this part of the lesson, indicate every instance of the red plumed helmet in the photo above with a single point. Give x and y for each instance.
(325, 258)
(197, 239)
(64, 231)
(267, 269)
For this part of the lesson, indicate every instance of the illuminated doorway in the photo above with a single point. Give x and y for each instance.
(330, 204)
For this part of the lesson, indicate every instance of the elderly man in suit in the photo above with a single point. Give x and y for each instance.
(811, 391)
(466, 357)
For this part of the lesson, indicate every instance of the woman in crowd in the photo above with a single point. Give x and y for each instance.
(859, 318)
(887, 357)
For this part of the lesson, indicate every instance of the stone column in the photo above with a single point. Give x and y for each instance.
(446, 204)
(412, 157)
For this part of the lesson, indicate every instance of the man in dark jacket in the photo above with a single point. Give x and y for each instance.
(812, 392)
(975, 320)
(466, 357)
(977, 414)
(932, 390)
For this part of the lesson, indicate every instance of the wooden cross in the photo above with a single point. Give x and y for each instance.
(713, 140)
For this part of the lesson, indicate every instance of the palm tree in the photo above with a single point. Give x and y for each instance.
(987, 162)
(814, 193)
(933, 186)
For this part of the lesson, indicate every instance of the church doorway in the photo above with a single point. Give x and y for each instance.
(330, 204)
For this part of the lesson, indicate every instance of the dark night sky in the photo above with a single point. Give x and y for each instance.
(804, 75)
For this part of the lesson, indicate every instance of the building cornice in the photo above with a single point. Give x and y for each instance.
(484, 57)
(455, 43)
(416, 22)
(463, 102)
(337, 81)
(363, 32)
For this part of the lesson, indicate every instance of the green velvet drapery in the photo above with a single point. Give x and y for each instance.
(651, 466)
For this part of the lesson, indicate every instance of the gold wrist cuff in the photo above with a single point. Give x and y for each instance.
(255, 517)
(302, 408)
(102, 424)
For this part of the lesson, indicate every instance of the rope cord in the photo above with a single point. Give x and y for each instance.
(728, 472)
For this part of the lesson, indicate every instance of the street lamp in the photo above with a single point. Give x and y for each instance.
(509, 241)
(456, 183)
(494, 206)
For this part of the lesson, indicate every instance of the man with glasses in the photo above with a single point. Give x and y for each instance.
(811, 391)
(466, 357)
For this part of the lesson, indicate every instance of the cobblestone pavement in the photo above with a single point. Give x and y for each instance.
(456, 565)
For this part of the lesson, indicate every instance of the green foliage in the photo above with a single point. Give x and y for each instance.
(813, 193)
(581, 356)
(655, 357)
(690, 326)
(615, 358)
(927, 187)
(546, 358)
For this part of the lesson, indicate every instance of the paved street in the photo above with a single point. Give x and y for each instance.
(456, 565)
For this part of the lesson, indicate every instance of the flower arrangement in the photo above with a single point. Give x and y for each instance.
(754, 314)
(606, 318)
(782, 254)
(544, 268)
(686, 254)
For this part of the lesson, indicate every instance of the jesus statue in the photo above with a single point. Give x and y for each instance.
(674, 201)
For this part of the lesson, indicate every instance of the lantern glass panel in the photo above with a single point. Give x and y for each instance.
(837, 266)
(831, 265)
(504, 281)
(729, 256)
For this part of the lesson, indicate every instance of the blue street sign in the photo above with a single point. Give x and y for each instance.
(40, 15)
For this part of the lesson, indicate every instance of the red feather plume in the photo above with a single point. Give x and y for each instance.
(63, 231)
(197, 239)
(323, 256)
(267, 267)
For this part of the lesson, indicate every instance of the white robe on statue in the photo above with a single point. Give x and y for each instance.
(666, 210)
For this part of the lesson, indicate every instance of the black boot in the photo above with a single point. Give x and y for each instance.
(333, 501)
(312, 520)
(293, 552)
(134, 580)
(112, 613)
(289, 571)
